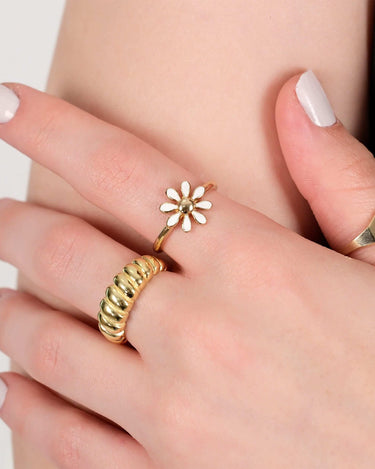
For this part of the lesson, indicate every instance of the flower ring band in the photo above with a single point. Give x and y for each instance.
(182, 207)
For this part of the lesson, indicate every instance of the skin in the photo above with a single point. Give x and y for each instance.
(262, 387)
(109, 88)
(230, 66)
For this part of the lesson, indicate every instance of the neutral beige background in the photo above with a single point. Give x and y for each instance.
(28, 31)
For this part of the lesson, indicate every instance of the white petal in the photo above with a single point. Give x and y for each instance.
(186, 224)
(198, 192)
(174, 219)
(205, 204)
(185, 188)
(199, 217)
(168, 207)
(173, 194)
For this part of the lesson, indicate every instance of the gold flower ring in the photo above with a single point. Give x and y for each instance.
(185, 206)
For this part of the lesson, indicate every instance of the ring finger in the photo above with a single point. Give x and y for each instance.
(69, 357)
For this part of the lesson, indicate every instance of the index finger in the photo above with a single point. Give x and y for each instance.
(109, 166)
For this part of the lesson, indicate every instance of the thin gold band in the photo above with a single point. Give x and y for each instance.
(121, 295)
(365, 238)
(167, 230)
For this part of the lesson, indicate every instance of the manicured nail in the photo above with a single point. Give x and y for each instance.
(3, 392)
(314, 101)
(9, 103)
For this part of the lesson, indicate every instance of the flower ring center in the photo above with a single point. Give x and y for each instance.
(186, 205)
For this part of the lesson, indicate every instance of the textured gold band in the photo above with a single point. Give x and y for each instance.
(365, 238)
(120, 296)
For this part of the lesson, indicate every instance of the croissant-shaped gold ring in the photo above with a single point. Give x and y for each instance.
(121, 295)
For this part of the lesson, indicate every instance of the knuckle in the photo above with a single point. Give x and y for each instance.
(9, 213)
(60, 250)
(357, 173)
(355, 168)
(8, 306)
(45, 359)
(67, 444)
(112, 168)
(42, 136)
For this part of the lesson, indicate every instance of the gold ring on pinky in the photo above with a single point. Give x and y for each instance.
(183, 207)
(365, 238)
(121, 295)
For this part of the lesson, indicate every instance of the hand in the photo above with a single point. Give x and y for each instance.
(258, 353)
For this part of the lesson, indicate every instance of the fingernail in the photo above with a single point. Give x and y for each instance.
(3, 392)
(314, 101)
(9, 103)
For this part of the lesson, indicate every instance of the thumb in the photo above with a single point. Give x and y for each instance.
(332, 169)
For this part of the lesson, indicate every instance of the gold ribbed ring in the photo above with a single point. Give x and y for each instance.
(121, 295)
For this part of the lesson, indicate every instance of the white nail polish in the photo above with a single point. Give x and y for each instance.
(314, 100)
(3, 392)
(9, 103)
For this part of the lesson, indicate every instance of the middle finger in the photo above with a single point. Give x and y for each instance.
(74, 261)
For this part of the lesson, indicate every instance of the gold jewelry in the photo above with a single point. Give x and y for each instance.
(184, 206)
(120, 297)
(363, 239)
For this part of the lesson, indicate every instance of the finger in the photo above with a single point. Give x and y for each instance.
(332, 170)
(110, 167)
(69, 437)
(71, 358)
(74, 261)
